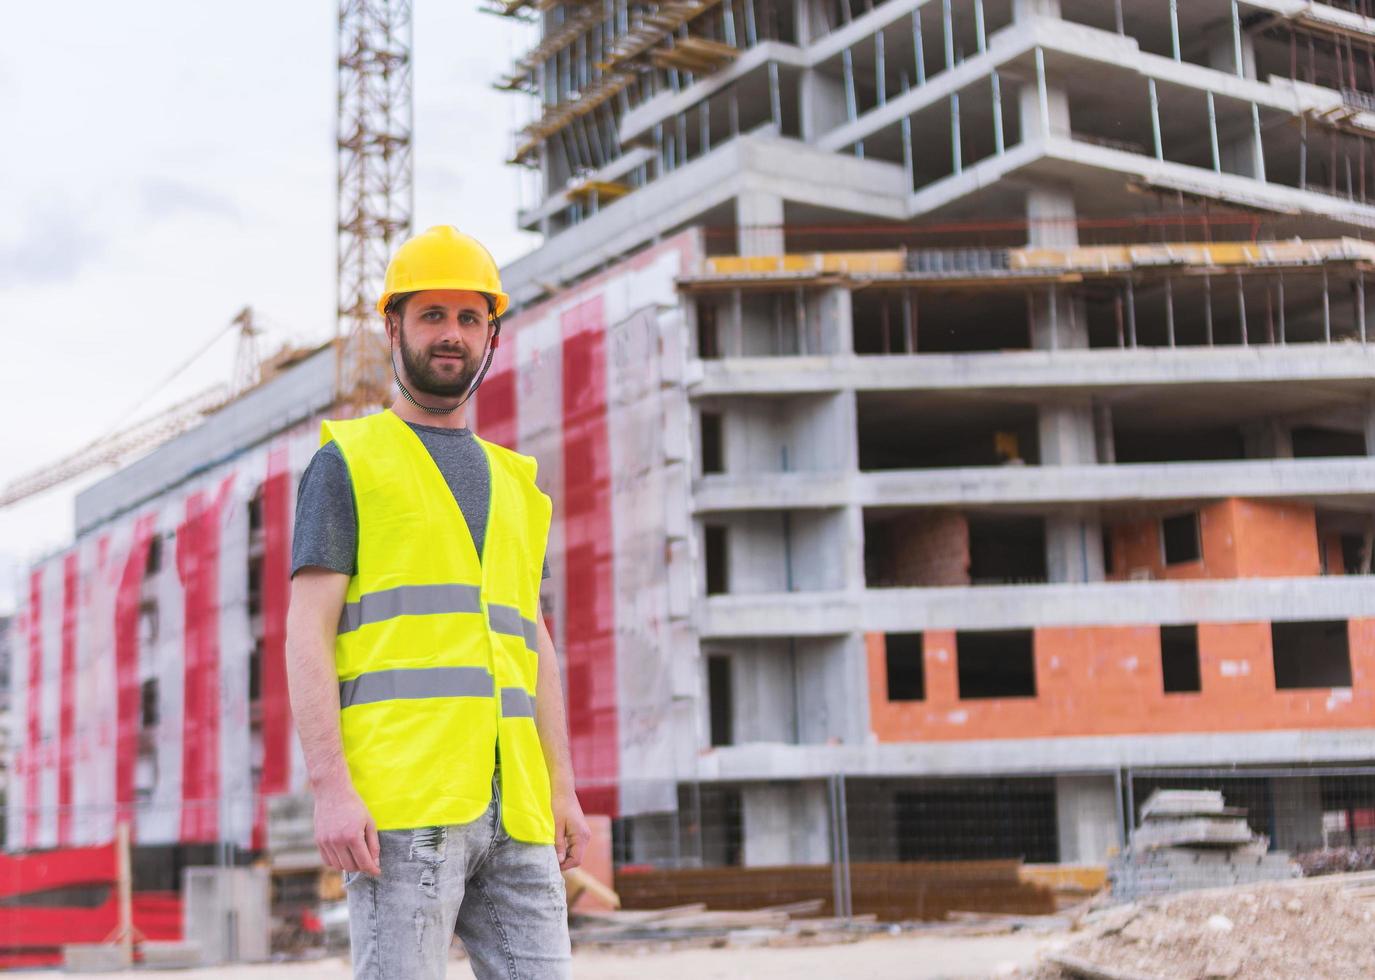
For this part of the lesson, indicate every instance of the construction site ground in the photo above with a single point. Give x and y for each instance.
(876, 957)
(1319, 928)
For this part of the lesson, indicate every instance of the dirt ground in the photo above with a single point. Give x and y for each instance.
(877, 958)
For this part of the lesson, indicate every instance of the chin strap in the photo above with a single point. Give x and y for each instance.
(477, 383)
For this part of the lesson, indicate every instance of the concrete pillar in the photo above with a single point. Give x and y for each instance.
(1267, 439)
(1066, 434)
(1086, 818)
(821, 104)
(1050, 215)
(1222, 49)
(1022, 9)
(832, 690)
(1074, 541)
(1105, 443)
(1236, 149)
(1297, 812)
(759, 222)
(830, 322)
(1059, 318)
(810, 20)
(1029, 108)
(785, 823)
(1370, 427)
(1074, 548)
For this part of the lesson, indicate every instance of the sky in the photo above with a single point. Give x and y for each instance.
(166, 164)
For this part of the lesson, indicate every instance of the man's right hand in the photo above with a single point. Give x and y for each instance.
(345, 831)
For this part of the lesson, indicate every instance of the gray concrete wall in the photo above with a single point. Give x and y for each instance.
(1088, 821)
(786, 823)
(777, 435)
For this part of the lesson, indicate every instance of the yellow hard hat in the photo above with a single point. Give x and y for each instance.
(443, 257)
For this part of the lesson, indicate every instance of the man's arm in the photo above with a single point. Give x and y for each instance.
(571, 832)
(344, 830)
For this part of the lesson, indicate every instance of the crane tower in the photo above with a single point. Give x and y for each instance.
(375, 197)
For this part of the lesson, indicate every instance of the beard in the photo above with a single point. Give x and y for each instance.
(426, 378)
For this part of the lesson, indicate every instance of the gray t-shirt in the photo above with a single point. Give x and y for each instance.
(326, 532)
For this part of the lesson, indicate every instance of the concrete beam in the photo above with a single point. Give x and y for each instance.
(1309, 480)
(989, 757)
(833, 613)
(1038, 373)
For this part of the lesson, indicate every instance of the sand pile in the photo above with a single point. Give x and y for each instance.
(1266, 932)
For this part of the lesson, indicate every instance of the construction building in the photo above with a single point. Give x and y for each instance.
(982, 396)
(954, 410)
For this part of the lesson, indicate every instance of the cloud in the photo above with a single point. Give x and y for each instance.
(167, 197)
(55, 245)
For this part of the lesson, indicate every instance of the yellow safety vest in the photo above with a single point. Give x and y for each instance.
(436, 651)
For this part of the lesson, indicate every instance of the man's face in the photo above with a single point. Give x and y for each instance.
(442, 336)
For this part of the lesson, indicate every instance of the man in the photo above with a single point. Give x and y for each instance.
(424, 683)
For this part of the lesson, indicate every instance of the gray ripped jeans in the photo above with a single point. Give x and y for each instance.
(506, 897)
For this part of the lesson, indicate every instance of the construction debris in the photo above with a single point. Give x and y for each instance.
(1189, 840)
(1336, 860)
(797, 923)
(1318, 930)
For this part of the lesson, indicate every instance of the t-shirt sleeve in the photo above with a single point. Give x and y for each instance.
(326, 533)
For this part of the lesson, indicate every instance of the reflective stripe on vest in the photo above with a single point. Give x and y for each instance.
(436, 651)
(425, 600)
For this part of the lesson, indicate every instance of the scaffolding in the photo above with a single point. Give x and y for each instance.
(652, 28)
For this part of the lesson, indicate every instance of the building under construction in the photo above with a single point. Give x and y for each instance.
(961, 408)
(957, 412)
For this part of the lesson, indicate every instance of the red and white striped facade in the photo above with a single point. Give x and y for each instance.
(589, 383)
(159, 594)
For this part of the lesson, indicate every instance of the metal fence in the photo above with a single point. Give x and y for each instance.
(897, 847)
(981, 840)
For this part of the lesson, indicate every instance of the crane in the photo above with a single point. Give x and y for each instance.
(375, 202)
(116, 447)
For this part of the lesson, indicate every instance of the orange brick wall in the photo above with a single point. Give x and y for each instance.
(1275, 540)
(1107, 681)
(1240, 539)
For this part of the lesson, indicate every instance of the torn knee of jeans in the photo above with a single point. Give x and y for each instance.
(427, 847)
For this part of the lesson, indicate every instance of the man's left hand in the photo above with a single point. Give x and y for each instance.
(571, 832)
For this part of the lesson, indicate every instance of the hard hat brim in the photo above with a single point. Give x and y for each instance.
(500, 301)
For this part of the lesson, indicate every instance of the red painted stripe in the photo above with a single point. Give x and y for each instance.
(497, 404)
(198, 565)
(589, 627)
(276, 586)
(66, 746)
(33, 750)
(127, 694)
